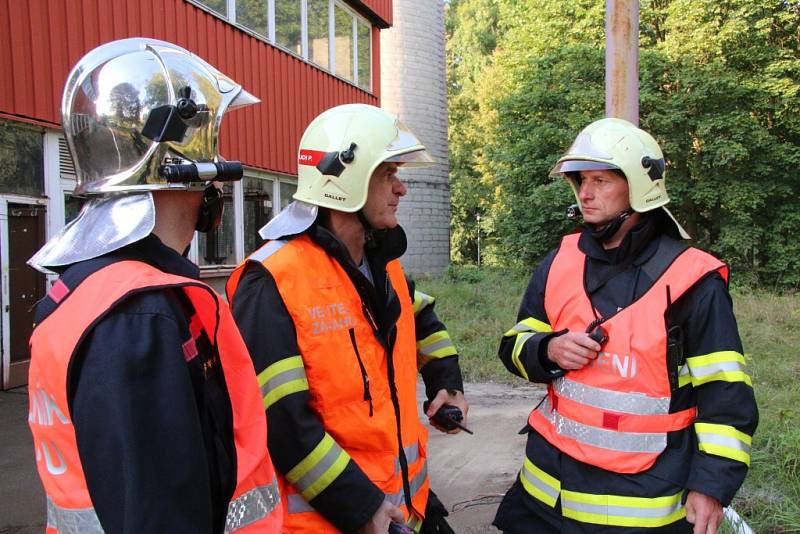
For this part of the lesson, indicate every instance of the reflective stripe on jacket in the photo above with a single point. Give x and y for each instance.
(352, 379)
(614, 413)
(255, 505)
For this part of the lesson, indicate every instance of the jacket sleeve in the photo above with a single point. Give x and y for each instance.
(136, 424)
(437, 358)
(523, 348)
(302, 451)
(715, 369)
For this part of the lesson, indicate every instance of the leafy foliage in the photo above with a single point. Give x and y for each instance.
(719, 89)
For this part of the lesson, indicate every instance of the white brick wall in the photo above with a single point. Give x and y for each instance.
(413, 86)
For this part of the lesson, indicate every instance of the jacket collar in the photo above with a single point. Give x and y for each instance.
(638, 245)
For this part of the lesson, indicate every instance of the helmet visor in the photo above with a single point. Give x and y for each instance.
(417, 158)
(577, 165)
(404, 140)
(407, 149)
(584, 155)
(584, 147)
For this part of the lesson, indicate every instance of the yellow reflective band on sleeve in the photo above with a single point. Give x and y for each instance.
(282, 378)
(684, 376)
(616, 510)
(539, 484)
(724, 366)
(421, 301)
(437, 345)
(319, 469)
(414, 523)
(519, 346)
(529, 325)
(723, 440)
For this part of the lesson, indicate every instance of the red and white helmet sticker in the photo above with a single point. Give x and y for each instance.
(310, 157)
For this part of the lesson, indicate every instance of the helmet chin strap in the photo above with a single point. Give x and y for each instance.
(607, 231)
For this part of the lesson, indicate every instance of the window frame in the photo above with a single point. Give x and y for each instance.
(238, 219)
(230, 18)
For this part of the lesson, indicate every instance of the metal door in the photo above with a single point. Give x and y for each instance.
(26, 233)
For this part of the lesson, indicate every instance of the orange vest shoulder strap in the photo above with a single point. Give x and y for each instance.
(260, 257)
(101, 291)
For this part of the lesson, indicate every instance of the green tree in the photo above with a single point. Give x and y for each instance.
(719, 88)
(472, 28)
(545, 82)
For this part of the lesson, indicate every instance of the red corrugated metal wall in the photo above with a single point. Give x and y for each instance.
(381, 8)
(49, 36)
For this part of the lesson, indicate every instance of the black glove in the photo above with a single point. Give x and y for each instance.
(435, 514)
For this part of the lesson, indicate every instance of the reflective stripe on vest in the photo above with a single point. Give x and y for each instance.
(412, 455)
(83, 521)
(606, 399)
(414, 523)
(416, 484)
(590, 406)
(612, 440)
(614, 412)
(252, 506)
(255, 505)
(267, 250)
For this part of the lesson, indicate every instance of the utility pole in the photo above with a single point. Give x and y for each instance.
(478, 217)
(622, 59)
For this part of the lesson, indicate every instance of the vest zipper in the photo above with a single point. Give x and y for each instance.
(364, 375)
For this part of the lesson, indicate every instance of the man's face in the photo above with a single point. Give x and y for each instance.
(603, 195)
(383, 196)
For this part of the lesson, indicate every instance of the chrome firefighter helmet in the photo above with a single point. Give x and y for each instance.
(141, 115)
(616, 144)
(338, 153)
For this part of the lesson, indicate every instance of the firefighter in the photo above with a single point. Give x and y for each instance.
(349, 334)
(649, 413)
(144, 404)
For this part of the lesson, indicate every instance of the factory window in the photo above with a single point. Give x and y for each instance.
(327, 33)
(21, 159)
(249, 205)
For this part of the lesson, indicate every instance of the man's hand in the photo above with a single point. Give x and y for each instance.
(379, 524)
(704, 512)
(456, 398)
(573, 350)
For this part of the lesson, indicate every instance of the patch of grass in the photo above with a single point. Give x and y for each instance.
(478, 305)
(768, 324)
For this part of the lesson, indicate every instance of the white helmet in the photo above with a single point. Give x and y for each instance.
(616, 144)
(338, 153)
(138, 115)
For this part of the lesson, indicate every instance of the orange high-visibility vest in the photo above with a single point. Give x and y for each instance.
(614, 413)
(255, 505)
(326, 308)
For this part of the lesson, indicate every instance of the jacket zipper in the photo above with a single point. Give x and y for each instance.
(364, 375)
(393, 393)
